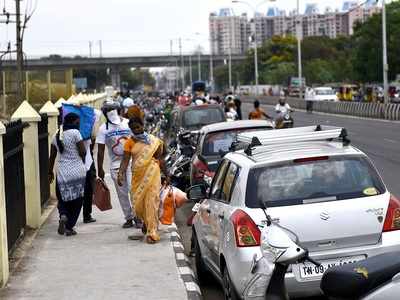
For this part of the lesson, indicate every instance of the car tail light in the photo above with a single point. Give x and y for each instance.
(246, 231)
(392, 221)
(309, 159)
(200, 168)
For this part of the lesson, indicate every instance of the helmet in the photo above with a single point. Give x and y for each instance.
(128, 102)
(110, 111)
(110, 105)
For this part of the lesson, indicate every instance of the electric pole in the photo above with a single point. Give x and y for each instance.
(90, 49)
(182, 65)
(20, 57)
(101, 48)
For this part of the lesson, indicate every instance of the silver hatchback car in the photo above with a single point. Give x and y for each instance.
(328, 192)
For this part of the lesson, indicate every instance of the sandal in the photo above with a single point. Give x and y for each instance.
(144, 229)
(135, 237)
(150, 240)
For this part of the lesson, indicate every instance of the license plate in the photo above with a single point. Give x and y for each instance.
(196, 207)
(309, 271)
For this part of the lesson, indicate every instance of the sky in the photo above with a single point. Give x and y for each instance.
(125, 27)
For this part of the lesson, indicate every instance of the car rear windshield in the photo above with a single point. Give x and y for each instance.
(216, 143)
(197, 118)
(305, 182)
(325, 92)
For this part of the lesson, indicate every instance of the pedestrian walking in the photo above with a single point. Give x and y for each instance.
(90, 171)
(238, 105)
(113, 134)
(71, 173)
(146, 152)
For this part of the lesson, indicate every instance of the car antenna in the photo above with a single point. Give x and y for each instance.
(254, 142)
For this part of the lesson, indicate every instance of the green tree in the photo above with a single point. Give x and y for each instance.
(367, 41)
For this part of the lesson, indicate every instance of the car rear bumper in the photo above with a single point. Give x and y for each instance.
(296, 287)
(389, 242)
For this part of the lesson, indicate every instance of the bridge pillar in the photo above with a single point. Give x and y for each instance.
(69, 74)
(115, 78)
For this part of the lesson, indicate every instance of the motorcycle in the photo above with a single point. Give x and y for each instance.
(179, 159)
(284, 120)
(370, 279)
(179, 172)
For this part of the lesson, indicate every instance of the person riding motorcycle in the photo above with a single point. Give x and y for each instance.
(199, 93)
(283, 110)
(230, 111)
(258, 113)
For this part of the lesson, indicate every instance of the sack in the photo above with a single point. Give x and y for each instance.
(101, 196)
(171, 198)
(87, 118)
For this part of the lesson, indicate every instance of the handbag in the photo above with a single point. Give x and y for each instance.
(101, 196)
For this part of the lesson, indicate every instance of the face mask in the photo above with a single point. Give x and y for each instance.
(113, 117)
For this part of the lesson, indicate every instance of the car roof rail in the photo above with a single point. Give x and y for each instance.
(292, 135)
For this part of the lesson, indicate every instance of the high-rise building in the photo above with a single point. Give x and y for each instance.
(232, 33)
(228, 33)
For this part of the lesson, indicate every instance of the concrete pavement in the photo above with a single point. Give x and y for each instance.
(98, 263)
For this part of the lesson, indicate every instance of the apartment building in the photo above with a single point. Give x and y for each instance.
(233, 33)
(229, 33)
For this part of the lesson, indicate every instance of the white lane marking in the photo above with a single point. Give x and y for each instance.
(186, 271)
(177, 245)
(175, 234)
(391, 141)
(192, 287)
(180, 256)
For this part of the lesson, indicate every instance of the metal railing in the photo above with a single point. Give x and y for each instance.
(14, 181)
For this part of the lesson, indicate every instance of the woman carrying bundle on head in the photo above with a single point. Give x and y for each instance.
(71, 172)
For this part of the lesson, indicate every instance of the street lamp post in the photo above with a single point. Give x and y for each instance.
(254, 8)
(385, 59)
(298, 33)
(211, 70)
(190, 70)
(199, 61)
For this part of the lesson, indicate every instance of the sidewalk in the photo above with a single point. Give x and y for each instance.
(98, 263)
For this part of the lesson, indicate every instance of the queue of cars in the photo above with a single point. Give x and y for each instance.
(327, 191)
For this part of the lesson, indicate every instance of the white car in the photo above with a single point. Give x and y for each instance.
(325, 190)
(325, 94)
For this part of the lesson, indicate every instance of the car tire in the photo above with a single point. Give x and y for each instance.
(229, 289)
(203, 276)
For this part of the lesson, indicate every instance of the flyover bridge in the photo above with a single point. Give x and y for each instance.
(113, 63)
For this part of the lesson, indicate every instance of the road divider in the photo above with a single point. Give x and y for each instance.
(365, 110)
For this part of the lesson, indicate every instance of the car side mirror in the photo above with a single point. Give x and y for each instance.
(197, 193)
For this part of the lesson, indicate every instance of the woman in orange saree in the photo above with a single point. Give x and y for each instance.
(146, 152)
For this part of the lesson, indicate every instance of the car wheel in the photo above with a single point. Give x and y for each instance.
(229, 289)
(201, 270)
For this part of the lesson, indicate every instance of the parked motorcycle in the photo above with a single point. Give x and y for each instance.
(374, 278)
(179, 159)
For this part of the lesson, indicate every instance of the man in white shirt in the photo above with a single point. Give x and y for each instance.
(282, 107)
(113, 134)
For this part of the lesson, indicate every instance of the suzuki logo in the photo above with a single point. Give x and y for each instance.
(324, 216)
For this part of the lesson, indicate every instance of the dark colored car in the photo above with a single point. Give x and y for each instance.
(214, 141)
(193, 118)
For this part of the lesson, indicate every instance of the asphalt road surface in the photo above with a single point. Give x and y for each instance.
(380, 140)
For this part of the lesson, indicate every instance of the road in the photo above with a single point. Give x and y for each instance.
(379, 139)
